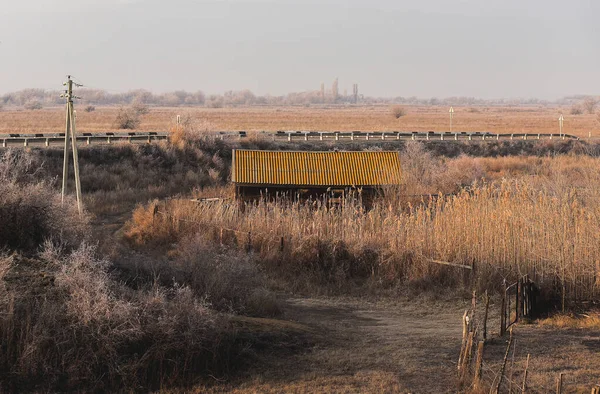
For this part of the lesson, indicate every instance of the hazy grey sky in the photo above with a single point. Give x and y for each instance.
(426, 48)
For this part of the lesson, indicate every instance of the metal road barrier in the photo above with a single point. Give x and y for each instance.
(57, 139)
(24, 140)
(414, 135)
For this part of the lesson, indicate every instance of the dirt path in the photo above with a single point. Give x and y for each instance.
(391, 346)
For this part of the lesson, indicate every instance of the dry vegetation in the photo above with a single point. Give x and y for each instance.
(68, 322)
(506, 228)
(186, 290)
(365, 118)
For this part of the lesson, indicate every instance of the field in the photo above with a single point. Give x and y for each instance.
(174, 295)
(351, 118)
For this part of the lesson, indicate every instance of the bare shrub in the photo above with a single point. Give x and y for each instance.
(230, 281)
(420, 169)
(87, 332)
(589, 104)
(19, 166)
(89, 108)
(576, 110)
(398, 111)
(140, 108)
(127, 119)
(32, 211)
(33, 105)
(190, 131)
(215, 102)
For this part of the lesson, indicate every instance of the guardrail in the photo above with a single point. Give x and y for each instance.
(9, 140)
(25, 140)
(415, 135)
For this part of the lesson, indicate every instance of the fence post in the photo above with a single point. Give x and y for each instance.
(518, 298)
(464, 341)
(501, 373)
(485, 316)
(473, 308)
(249, 242)
(559, 383)
(503, 310)
(466, 356)
(281, 245)
(478, 364)
(524, 388)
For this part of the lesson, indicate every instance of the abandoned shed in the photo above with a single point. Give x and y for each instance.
(302, 174)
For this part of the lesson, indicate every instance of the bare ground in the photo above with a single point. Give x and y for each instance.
(391, 346)
(403, 344)
(411, 346)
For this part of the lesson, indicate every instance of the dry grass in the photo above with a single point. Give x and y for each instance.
(69, 323)
(150, 320)
(366, 118)
(542, 223)
(589, 320)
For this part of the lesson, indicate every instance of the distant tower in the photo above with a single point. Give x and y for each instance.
(334, 90)
(355, 92)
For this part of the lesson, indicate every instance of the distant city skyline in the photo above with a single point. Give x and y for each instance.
(430, 48)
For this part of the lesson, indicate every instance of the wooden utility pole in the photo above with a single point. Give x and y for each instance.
(70, 137)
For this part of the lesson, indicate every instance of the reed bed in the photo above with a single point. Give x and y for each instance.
(502, 229)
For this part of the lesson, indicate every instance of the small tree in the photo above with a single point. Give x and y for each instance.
(89, 108)
(140, 108)
(33, 105)
(127, 119)
(398, 111)
(576, 110)
(589, 104)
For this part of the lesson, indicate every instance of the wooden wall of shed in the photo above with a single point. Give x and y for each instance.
(331, 195)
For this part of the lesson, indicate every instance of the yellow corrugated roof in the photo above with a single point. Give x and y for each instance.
(315, 168)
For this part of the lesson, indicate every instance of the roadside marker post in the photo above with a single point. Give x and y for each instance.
(561, 120)
(451, 116)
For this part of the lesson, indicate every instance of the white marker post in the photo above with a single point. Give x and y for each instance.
(451, 116)
(561, 120)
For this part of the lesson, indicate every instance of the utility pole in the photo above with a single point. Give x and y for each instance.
(451, 116)
(70, 137)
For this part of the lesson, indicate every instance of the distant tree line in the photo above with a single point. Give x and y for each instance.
(39, 98)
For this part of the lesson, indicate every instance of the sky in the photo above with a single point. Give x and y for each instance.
(426, 48)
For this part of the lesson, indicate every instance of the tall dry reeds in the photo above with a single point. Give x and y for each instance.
(504, 229)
